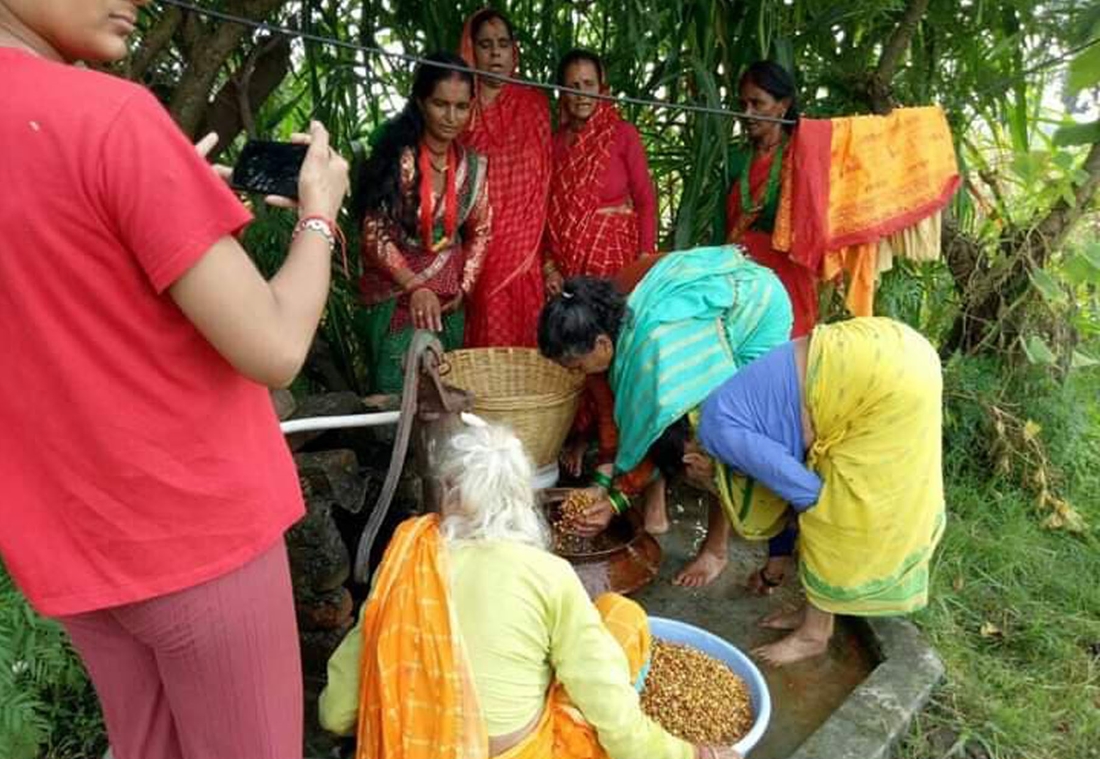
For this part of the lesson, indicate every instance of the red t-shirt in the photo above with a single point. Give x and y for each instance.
(134, 460)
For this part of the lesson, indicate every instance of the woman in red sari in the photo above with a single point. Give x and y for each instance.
(510, 125)
(603, 211)
(423, 208)
(602, 216)
(767, 89)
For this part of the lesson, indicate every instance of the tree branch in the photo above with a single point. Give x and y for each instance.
(232, 110)
(879, 89)
(189, 102)
(154, 41)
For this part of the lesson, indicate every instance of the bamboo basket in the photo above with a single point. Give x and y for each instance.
(520, 389)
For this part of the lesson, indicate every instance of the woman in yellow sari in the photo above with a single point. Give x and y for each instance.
(844, 426)
(477, 642)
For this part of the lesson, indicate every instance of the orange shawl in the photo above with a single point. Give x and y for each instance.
(417, 698)
(857, 180)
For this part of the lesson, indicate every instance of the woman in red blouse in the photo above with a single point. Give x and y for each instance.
(602, 216)
(425, 216)
(603, 211)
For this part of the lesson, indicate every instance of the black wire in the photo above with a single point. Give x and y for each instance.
(297, 33)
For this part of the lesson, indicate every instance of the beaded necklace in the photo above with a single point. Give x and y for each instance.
(771, 188)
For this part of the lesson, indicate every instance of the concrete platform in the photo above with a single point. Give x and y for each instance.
(851, 703)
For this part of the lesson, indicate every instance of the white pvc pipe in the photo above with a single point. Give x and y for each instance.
(313, 423)
(377, 419)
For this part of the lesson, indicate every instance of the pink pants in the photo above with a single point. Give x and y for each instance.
(211, 672)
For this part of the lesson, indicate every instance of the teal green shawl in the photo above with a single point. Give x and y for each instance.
(692, 322)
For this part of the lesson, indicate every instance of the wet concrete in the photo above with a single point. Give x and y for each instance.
(804, 695)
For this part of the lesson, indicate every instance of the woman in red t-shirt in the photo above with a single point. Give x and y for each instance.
(146, 483)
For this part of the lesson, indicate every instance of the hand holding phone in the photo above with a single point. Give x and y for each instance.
(269, 168)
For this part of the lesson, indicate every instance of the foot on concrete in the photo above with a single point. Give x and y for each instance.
(656, 513)
(795, 647)
(784, 619)
(702, 570)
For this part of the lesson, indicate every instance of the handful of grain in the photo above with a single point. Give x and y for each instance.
(695, 696)
(565, 520)
(571, 511)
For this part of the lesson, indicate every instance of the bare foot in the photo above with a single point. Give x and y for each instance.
(795, 647)
(784, 619)
(572, 457)
(702, 570)
(656, 515)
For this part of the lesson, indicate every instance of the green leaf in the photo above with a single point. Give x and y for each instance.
(1091, 253)
(1030, 166)
(1083, 361)
(1048, 286)
(1038, 352)
(1084, 70)
(1077, 134)
(1079, 270)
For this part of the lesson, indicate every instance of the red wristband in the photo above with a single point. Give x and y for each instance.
(336, 235)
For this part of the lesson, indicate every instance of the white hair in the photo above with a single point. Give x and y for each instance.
(490, 494)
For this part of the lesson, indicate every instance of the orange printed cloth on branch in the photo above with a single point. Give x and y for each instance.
(582, 241)
(885, 174)
(513, 132)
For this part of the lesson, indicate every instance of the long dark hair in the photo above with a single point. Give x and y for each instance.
(576, 55)
(777, 82)
(379, 178)
(570, 323)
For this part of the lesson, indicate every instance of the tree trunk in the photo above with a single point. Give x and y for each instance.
(989, 289)
(190, 100)
(225, 115)
(878, 89)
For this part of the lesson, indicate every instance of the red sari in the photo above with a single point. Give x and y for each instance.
(581, 240)
(513, 132)
(755, 236)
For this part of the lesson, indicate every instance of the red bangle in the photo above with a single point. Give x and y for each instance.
(337, 235)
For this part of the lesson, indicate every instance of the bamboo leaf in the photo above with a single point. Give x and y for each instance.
(1084, 71)
(1083, 361)
(1077, 134)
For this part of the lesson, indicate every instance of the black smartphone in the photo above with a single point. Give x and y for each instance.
(269, 168)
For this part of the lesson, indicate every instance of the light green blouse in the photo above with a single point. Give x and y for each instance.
(525, 620)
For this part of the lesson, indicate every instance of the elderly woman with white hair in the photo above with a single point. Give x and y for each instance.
(476, 641)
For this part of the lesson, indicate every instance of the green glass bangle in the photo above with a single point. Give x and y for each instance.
(602, 480)
(619, 501)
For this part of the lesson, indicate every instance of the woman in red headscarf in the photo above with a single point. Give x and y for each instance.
(602, 216)
(510, 125)
(603, 211)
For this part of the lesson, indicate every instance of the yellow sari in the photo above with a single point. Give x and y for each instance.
(874, 391)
